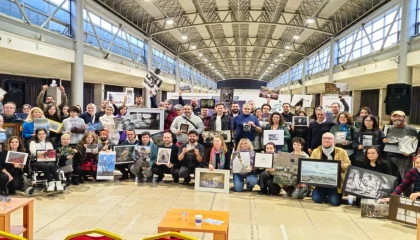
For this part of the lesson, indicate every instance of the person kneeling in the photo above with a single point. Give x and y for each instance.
(191, 156)
(48, 168)
(266, 177)
(327, 151)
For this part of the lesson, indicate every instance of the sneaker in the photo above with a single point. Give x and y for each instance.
(51, 186)
(123, 178)
(59, 186)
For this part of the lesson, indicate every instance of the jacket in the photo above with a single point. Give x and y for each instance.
(171, 115)
(28, 130)
(42, 105)
(339, 155)
(349, 137)
(13, 119)
(226, 122)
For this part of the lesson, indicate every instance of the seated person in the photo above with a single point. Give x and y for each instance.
(86, 158)
(173, 166)
(266, 177)
(15, 170)
(48, 168)
(327, 151)
(191, 156)
(301, 190)
(245, 146)
(65, 154)
(124, 167)
(145, 156)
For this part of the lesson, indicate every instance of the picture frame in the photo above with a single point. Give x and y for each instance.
(365, 183)
(95, 127)
(164, 156)
(300, 121)
(92, 148)
(54, 126)
(40, 123)
(144, 119)
(319, 173)
(285, 168)
(263, 160)
(3, 136)
(106, 166)
(368, 139)
(212, 181)
(207, 103)
(226, 95)
(12, 129)
(124, 154)
(275, 136)
(240, 162)
(209, 135)
(184, 128)
(16, 157)
(49, 155)
(340, 136)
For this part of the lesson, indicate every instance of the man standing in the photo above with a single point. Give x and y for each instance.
(173, 166)
(246, 125)
(145, 156)
(9, 113)
(196, 109)
(220, 121)
(287, 115)
(105, 104)
(170, 115)
(50, 99)
(317, 129)
(336, 109)
(123, 168)
(191, 156)
(192, 121)
(205, 118)
(400, 162)
(139, 102)
(234, 109)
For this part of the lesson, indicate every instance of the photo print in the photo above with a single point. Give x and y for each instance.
(54, 126)
(285, 168)
(124, 154)
(46, 155)
(12, 129)
(241, 162)
(319, 173)
(263, 160)
(95, 127)
(299, 100)
(92, 148)
(40, 123)
(209, 135)
(152, 81)
(368, 139)
(365, 183)
(212, 181)
(275, 136)
(164, 155)
(142, 119)
(300, 121)
(16, 157)
(184, 128)
(106, 166)
(3, 136)
(226, 95)
(207, 103)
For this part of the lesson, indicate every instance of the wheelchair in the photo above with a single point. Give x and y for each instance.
(35, 180)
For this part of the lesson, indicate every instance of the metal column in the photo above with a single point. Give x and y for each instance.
(177, 74)
(333, 53)
(407, 30)
(77, 68)
(303, 78)
(146, 99)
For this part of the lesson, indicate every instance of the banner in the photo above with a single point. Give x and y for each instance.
(345, 103)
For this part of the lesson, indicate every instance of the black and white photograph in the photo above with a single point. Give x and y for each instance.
(143, 119)
(319, 173)
(40, 123)
(3, 136)
(184, 128)
(367, 139)
(264, 92)
(275, 136)
(124, 154)
(365, 183)
(226, 95)
(300, 121)
(106, 166)
(285, 168)
(207, 103)
(152, 81)
(164, 155)
(92, 148)
(263, 160)
(209, 135)
(299, 100)
(54, 126)
(16, 157)
(212, 181)
(241, 162)
(246, 127)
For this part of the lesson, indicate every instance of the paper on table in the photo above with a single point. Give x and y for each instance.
(213, 221)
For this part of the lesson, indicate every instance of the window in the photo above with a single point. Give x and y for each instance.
(318, 62)
(163, 62)
(296, 72)
(184, 72)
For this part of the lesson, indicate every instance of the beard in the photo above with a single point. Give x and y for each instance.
(191, 140)
(397, 122)
(235, 111)
(103, 139)
(194, 105)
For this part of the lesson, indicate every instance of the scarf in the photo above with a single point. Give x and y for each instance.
(328, 152)
(344, 128)
(222, 157)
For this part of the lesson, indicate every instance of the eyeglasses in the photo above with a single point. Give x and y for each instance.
(327, 138)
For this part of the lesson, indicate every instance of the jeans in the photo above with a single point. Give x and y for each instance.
(160, 170)
(320, 195)
(238, 181)
(185, 172)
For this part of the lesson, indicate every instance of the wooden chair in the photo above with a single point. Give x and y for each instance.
(10, 236)
(86, 235)
(170, 236)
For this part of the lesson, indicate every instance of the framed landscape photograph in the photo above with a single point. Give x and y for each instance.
(40, 123)
(54, 126)
(285, 168)
(365, 183)
(207, 103)
(124, 153)
(300, 121)
(263, 160)
(164, 155)
(12, 129)
(275, 136)
(106, 166)
(143, 119)
(320, 173)
(46, 155)
(212, 181)
(209, 135)
(3, 136)
(16, 157)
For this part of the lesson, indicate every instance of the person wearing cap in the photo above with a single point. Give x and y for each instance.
(145, 156)
(400, 163)
(104, 145)
(191, 156)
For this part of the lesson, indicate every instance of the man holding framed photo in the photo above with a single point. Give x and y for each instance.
(327, 151)
(194, 123)
(191, 156)
(246, 125)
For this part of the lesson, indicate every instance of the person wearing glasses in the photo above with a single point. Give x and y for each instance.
(328, 151)
(246, 125)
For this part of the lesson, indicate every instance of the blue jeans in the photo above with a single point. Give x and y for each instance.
(320, 195)
(238, 181)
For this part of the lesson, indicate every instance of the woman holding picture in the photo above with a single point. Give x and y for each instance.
(276, 122)
(52, 114)
(122, 111)
(74, 125)
(108, 122)
(300, 131)
(28, 130)
(49, 169)
(247, 172)
(345, 133)
(85, 162)
(219, 157)
(369, 130)
(14, 171)
(266, 177)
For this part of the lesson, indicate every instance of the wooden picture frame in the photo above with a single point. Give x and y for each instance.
(12, 129)
(212, 181)
(319, 173)
(54, 126)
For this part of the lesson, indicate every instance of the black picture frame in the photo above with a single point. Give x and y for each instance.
(313, 171)
(377, 185)
(207, 103)
(364, 141)
(184, 128)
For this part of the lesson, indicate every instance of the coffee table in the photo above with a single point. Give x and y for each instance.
(28, 217)
(173, 222)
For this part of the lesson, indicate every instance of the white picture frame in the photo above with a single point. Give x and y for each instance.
(300, 121)
(212, 181)
(164, 156)
(263, 160)
(106, 166)
(146, 119)
(16, 157)
(340, 136)
(274, 136)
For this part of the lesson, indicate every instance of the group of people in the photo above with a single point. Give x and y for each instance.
(79, 148)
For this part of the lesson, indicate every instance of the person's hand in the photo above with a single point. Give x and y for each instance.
(385, 199)
(292, 127)
(385, 140)
(1, 98)
(406, 154)
(105, 129)
(196, 152)
(249, 168)
(61, 89)
(85, 145)
(85, 126)
(44, 88)
(178, 132)
(360, 147)
(211, 168)
(33, 134)
(150, 92)
(75, 150)
(343, 167)
(125, 98)
(10, 177)
(345, 142)
(270, 170)
(144, 168)
(158, 163)
(170, 165)
(184, 150)
(309, 151)
(17, 165)
(268, 100)
(69, 157)
(251, 123)
(180, 93)
(414, 196)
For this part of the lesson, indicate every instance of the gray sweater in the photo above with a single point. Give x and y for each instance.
(176, 125)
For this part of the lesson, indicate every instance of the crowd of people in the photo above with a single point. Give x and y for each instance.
(317, 140)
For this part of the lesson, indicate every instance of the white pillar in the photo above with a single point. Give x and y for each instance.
(146, 94)
(333, 54)
(77, 68)
(177, 74)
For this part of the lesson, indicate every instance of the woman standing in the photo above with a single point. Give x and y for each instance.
(258, 142)
(358, 118)
(245, 146)
(74, 125)
(276, 122)
(345, 124)
(108, 122)
(52, 114)
(219, 157)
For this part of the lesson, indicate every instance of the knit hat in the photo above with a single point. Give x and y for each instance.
(104, 132)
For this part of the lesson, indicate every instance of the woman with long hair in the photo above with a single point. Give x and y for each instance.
(358, 118)
(276, 122)
(85, 162)
(345, 124)
(122, 111)
(108, 121)
(245, 147)
(266, 177)
(219, 157)
(28, 130)
(14, 171)
(40, 143)
(52, 114)
(369, 126)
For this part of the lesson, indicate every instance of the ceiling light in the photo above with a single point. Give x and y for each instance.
(281, 54)
(193, 47)
(205, 60)
(275, 60)
(272, 64)
(296, 37)
(184, 37)
(310, 20)
(200, 54)
(287, 47)
(170, 21)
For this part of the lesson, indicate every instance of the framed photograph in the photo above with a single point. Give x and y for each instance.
(152, 82)
(54, 126)
(212, 181)
(3, 136)
(92, 148)
(184, 128)
(12, 129)
(320, 173)
(300, 121)
(241, 162)
(16, 157)
(365, 183)
(226, 95)
(263, 160)
(207, 103)
(144, 119)
(285, 168)
(46, 155)
(106, 166)
(340, 137)
(368, 139)
(124, 153)
(40, 123)
(95, 127)
(275, 136)
(209, 135)
(374, 208)
(164, 155)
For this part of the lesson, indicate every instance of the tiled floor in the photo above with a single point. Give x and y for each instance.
(134, 211)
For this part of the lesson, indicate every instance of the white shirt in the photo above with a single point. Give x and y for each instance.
(218, 123)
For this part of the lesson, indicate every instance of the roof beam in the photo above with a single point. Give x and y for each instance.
(266, 47)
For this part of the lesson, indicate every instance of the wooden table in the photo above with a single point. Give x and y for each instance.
(172, 222)
(28, 217)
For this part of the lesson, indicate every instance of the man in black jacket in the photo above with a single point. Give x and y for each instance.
(173, 165)
(220, 121)
(287, 115)
(9, 113)
(317, 129)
